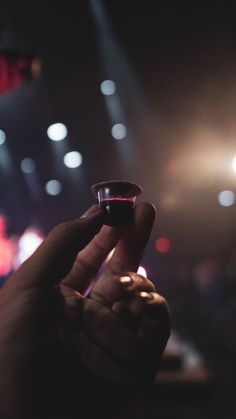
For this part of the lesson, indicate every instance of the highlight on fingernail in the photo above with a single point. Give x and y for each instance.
(91, 211)
(126, 280)
(145, 295)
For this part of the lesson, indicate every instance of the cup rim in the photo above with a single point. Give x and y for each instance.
(132, 188)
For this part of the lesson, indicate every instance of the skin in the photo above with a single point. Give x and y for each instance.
(75, 327)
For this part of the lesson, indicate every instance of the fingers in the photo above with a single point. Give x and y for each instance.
(90, 259)
(129, 251)
(129, 242)
(145, 310)
(120, 288)
(55, 256)
(134, 299)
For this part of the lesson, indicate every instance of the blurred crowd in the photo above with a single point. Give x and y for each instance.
(202, 298)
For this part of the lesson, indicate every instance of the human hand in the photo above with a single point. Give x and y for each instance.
(114, 325)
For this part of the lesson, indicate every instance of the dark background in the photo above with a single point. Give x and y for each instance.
(177, 91)
(174, 64)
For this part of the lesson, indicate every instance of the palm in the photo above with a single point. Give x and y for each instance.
(119, 334)
(116, 324)
(122, 328)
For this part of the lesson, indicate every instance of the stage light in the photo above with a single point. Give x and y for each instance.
(226, 198)
(118, 131)
(73, 159)
(28, 165)
(28, 243)
(16, 69)
(234, 164)
(53, 187)
(162, 245)
(2, 137)
(142, 271)
(108, 87)
(57, 131)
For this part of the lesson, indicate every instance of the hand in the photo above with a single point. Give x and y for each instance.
(46, 339)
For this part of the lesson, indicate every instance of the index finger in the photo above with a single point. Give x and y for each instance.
(55, 256)
(91, 258)
(128, 241)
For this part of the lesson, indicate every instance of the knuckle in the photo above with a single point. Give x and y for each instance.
(140, 279)
(63, 228)
(162, 303)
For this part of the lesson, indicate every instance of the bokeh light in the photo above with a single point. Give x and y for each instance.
(119, 131)
(162, 245)
(234, 164)
(2, 137)
(57, 132)
(73, 159)
(53, 187)
(108, 87)
(28, 243)
(226, 198)
(28, 165)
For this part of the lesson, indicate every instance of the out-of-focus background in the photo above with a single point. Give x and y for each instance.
(143, 91)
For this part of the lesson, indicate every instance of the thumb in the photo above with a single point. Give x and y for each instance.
(55, 256)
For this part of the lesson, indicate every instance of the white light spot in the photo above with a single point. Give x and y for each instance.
(142, 271)
(2, 137)
(226, 198)
(234, 164)
(28, 243)
(108, 87)
(109, 256)
(53, 187)
(118, 131)
(145, 294)
(57, 132)
(73, 159)
(28, 165)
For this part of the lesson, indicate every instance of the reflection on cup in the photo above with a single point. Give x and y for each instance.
(118, 198)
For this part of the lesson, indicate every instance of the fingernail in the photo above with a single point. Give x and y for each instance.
(145, 295)
(126, 280)
(92, 211)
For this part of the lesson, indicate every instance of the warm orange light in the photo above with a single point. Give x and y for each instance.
(234, 164)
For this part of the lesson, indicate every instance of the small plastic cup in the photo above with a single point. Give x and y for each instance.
(118, 198)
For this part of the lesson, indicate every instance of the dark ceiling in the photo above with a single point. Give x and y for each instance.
(175, 68)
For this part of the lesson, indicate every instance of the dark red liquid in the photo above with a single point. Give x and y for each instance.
(120, 211)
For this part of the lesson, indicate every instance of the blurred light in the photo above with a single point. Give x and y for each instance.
(162, 245)
(57, 132)
(53, 187)
(142, 271)
(234, 164)
(110, 254)
(170, 201)
(118, 131)
(28, 243)
(36, 67)
(108, 87)
(7, 248)
(226, 198)
(2, 137)
(16, 69)
(73, 159)
(28, 165)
